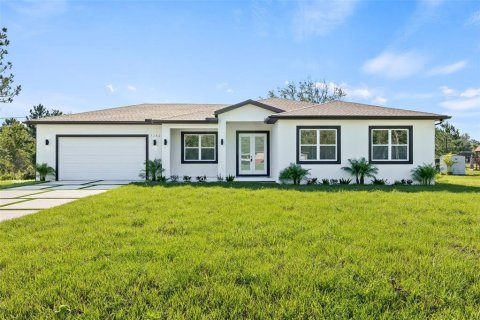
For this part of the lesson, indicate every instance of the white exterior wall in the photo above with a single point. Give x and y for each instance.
(188, 169)
(283, 148)
(355, 144)
(46, 154)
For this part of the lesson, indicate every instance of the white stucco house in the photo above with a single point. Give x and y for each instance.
(252, 140)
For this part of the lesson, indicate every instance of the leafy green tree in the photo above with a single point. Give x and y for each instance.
(17, 148)
(39, 111)
(310, 91)
(7, 89)
(450, 139)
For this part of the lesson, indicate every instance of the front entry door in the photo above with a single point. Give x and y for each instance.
(252, 154)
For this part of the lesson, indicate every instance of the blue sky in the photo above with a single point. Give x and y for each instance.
(86, 55)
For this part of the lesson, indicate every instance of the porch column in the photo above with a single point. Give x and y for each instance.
(166, 149)
(222, 149)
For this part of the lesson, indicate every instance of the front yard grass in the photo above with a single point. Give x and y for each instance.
(248, 251)
(5, 184)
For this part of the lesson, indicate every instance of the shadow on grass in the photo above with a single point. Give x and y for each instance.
(438, 187)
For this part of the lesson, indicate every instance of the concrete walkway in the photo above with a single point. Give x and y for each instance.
(20, 201)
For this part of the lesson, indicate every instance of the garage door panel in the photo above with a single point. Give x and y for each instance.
(101, 158)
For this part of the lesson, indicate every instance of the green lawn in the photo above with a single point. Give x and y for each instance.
(249, 251)
(5, 184)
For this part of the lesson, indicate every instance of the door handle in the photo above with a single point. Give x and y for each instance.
(251, 158)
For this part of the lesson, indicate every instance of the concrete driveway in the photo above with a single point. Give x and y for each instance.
(20, 201)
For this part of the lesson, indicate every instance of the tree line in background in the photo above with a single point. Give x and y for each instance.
(17, 145)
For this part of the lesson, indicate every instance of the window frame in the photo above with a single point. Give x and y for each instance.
(390, 144)
(199, 133)
(338, 145)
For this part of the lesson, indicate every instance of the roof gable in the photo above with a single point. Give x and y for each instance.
(248, 102)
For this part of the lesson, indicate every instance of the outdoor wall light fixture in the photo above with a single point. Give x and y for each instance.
(164, 142)
(154, 142)
(221, 142)
(47, 142)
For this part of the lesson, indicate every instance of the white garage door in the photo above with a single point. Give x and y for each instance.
(101, 158)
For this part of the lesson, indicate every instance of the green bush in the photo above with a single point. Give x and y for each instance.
(153, 170)
(44, 170)
(425, 174)
(294, 172)
(361, 168)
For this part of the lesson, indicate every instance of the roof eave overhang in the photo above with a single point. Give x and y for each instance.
(146, 121)
(273, 118)
(247, 102)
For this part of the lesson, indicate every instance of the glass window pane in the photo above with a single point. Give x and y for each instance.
(191, 154)
(380, 152)
(328, 137)
(379, 136)
(308, 153)
(245, 144)
(245, 165)
(208, 140)
(308, 136)
(208, 154)
(399, 137)
(191, 140)
(259, 144)
(328, 152)
(400, 153)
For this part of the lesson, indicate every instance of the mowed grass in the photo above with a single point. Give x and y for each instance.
(247, 251)
(5, 184)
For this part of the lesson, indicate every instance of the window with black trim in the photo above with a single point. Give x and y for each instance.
(199, 147)
(390, 144)
(319, 144)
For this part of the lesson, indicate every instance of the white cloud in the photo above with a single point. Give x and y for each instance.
(462, 104)
(319, 17)
(110, 88)
(131, 88)
(380, 100)
(470, 93)
(359, 93)
(448, 91)
(475, 18)
(224, 86)
(447, 69)
(395, 65)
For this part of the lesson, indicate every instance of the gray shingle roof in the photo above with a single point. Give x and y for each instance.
(184, 112)
(344, 109)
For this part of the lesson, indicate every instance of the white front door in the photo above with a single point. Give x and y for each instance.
(252, 154)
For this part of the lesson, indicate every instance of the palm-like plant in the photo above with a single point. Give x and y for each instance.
(425, 174)
(44, 170)
(153, 170)
(294, 172)
(361, 168)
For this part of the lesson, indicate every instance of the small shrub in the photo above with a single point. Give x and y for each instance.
(399, 182)
(361, 168)
(153, 170)
(325, 182)
(379, 182)
(229, 178)
(174, 178)
(333, 181)
(162, 179)
(312, 181)
(187, 178)
(294, 172)
(345, 181)
(425, 174)
(201, 178)
(219, 178)
(449, 162)
(44, 170)
(409, 181)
